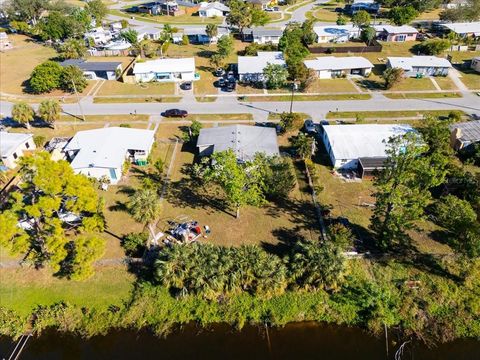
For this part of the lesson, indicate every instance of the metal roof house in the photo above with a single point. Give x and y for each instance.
(328, 67)
(416, 66)
(250, 68)
(465, 28)
(12, 146)
(165, 70)
(465, 134)
(94, 70)
(263, 36)
(244, 140)
(345, 144)
(101, 152)
(211, 9)
(396, 33)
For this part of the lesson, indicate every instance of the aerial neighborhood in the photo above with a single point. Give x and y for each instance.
(177, 165)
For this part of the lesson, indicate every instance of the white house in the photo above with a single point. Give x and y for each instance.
(99, 35)
(263, 36)
(244, 140)
(328, 67)
(345, 144)
(146, 33)
(464, 29)
(475, 65)
(396, 33)
(102, 152)
(336, 33)
(165, 70)
(198, 35)
(417, 66)
(12, 146)
(250, 68)
(212, 9)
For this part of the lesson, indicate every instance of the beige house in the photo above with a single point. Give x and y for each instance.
(12, 147)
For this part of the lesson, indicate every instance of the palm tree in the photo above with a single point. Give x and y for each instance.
(23, 113)
(303, 143)
(145, 207)
(49, 111)
(73, 49)
(212, 31)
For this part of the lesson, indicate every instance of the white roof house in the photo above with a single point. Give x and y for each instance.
(345, 144)
(466, 28)
(166, 70)
(12, 146)
(102, 152)
(99, 35)
(210, 9)
(327, 67)
(423, 65)
(146, 32)
(392, 29)
(336, 33)
(250, 68)
(244, 140)
(396, 33)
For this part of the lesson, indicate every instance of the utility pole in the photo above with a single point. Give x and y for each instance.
(294, 85)
(78, 100)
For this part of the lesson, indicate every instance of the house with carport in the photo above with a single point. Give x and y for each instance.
(165, 70)
(420, 66)
(328, 67)
(250, 68)
(396, 33)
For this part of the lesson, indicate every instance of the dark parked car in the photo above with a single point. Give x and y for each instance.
(221, 82)
(186, 86)
(175, 113)
(231, 85)
(309, 126)
(219, 72)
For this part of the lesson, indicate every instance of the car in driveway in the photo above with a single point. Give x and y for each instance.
(219, 72)
(220, 82)
(186, 85)
(310, 126)
(175, 113)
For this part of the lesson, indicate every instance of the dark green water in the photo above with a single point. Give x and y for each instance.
(296, 341)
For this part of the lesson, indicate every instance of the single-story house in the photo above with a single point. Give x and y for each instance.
(211, 9)
(369, 6)
(464, 29)
(250, 68)
(198, 35)
(455, 4)
(416, 66)
(464, 134)
(12, 146)
(263, 4)
(328, 67)
(396, 33)
(102, 152)
(94, 70)
(165, 70)
(158, 8)
(244, 140)
(475, 65)
(345, 144)
(99, 35)
(5, 43)
(263, 36)
(147, 33)
(336, 33)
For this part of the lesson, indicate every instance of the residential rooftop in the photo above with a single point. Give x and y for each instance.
(165, 66)
(256, 64)
(9, 142)
(408, 63)
(469, 131)
(391, 29)
(92, 65)
(464, 27)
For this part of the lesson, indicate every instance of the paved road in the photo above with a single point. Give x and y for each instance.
(229, 105)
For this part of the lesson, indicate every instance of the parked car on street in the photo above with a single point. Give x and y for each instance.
(175, 113)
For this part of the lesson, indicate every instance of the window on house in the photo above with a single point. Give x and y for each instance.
(15, 156)
(27, 145)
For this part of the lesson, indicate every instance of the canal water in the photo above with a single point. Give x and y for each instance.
(295, 341)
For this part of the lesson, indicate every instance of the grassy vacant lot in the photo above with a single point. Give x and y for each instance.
(24, 289)
(471, 79)
(110, 100)
(120, 88)
(325, 12)
(429, 95)
(17, 64)
(331, 86)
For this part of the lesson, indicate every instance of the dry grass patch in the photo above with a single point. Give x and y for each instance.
(413, 84)
(427, 95)
(151, 88)
(445, 83)
(120, 100)
(471, 79)
(331, 86)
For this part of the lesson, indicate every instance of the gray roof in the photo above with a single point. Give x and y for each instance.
(266, 32)
(92, 65)
(470, 130)
(244, 140)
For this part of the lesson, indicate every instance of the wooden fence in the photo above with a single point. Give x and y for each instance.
(331, 49)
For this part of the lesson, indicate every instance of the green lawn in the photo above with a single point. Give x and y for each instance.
(308, 97)
(151, 88)
(384, 114)
(164, 19)
(23, 289)
(471, 79)
(413, 84)
(445, 83)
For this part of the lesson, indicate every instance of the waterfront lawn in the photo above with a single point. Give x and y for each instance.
(24, 289)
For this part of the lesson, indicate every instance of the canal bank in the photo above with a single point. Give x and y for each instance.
(293, 341)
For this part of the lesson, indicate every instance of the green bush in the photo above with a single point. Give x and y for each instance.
(39, 140)
(134, 243)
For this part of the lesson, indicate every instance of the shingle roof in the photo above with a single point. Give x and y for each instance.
(107, 147)
(470, 130)
(9, 142)
(244, 140)
(363, 140)
(92, 65)
(338, 63)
